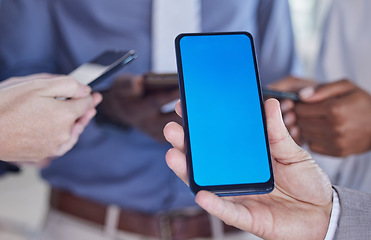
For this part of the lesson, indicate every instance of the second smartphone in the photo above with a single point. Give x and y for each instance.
(102, 66)
(226, 139)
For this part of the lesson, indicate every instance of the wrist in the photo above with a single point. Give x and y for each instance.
(323, 224)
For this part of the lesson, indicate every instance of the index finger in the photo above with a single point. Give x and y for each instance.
(228, 211)
(65, 87)
(326, 91)
(79, 106)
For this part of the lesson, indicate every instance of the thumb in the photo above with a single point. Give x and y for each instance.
(283, 147)
(65, 87)
(326, 91)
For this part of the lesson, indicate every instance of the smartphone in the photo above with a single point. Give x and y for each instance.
(227, 147)
(280, 94)
(102, 66)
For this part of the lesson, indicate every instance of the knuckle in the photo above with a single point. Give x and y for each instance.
(347, 84)
(89, 103)
(72, 82)
(337, 143)
(40, 84)
(69, 116)
(64, 137)
(335, 110)
(43, 75)
(339, 131)
(62, 118)
(52, 149)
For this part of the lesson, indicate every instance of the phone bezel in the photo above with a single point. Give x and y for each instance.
(267, 93)
(222, 190)
(129, 56)
(126, 58)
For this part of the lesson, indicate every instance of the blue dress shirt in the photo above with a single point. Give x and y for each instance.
(108, 164)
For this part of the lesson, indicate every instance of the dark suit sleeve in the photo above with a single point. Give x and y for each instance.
(355, 215)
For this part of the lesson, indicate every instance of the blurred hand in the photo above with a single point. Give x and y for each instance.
(35, 125)
(335, 118)
(290, 84)
(298, 208)
(129, 102)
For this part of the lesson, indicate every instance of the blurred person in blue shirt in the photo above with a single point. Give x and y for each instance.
(120, 167)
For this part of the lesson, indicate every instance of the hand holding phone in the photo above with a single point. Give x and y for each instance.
(226, 140)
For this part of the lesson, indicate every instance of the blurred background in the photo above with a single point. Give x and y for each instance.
(23, 198)
(307, 17)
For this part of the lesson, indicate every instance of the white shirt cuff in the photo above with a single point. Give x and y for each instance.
(335, 214)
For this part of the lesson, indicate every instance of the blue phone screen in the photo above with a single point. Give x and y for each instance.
(225, 122)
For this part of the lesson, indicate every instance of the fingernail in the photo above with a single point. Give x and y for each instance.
(306, 92)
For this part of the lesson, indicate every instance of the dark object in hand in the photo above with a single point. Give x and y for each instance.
(6, 167)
